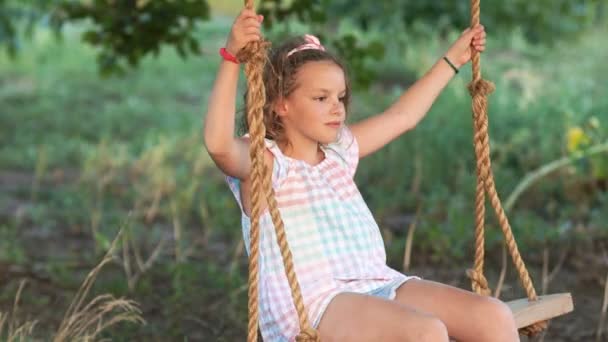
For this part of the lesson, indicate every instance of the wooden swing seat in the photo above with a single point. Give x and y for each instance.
(528, 312)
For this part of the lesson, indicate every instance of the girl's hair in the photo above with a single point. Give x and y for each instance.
(280, 81)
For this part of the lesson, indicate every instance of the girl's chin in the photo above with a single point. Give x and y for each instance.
(328, 139)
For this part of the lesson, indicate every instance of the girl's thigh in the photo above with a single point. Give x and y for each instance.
(460, 310)
(357, 317)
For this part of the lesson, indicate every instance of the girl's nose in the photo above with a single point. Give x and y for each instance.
(337, 107)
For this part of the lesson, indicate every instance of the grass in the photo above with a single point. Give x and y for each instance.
(79, 153)
(84, 320)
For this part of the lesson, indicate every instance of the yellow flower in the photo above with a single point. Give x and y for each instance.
(576, 138)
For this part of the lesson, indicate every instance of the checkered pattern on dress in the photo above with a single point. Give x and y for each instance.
(334, 239)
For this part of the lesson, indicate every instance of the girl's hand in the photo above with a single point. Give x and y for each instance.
(246, 28)
(460, 52)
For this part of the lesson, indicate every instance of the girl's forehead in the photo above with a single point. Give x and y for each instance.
(322, 74)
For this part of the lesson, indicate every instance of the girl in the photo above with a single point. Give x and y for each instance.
(337, 248)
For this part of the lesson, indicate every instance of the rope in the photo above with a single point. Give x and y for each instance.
(254, 55)
(479, 90)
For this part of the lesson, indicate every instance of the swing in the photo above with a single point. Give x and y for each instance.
(531, 314)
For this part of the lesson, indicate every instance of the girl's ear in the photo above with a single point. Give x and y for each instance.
(280, 107)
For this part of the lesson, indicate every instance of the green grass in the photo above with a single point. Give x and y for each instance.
(89, 150)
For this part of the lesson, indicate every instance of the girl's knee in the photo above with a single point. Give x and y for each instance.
(499, 312)
(499, 320)
(429, 329)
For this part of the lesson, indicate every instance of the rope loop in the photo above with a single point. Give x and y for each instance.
(534, 329)
(254, 52)
(308, 335)
(479, 282)
(481, 87)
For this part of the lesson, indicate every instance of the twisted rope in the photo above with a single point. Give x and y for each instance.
(254, 55)
(479, 90)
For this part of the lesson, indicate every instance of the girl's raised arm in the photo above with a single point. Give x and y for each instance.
(403, 115)
(231, 154)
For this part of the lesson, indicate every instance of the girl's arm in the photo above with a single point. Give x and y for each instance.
(231, 154)
(375, 132)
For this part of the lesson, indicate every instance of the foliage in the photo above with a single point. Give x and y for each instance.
(127, 31)
(13, 12)
(539, 20)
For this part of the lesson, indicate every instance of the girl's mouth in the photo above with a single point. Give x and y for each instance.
(336, 124)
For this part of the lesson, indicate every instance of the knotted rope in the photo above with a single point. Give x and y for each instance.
(254, 55)
(479, 90)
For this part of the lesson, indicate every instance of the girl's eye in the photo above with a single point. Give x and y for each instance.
(320, 98)
(342, 99)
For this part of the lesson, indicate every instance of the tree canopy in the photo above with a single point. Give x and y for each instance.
(127, 30)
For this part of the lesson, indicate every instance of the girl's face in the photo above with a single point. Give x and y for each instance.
(315, 110)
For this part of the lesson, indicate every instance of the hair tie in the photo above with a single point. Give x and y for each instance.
(312, 43)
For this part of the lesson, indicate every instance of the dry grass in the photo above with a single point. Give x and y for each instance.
(83, 321)
(16, 331)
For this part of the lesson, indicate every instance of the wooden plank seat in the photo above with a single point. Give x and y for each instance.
(527, 312)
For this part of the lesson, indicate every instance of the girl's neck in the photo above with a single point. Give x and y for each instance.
(309, 152)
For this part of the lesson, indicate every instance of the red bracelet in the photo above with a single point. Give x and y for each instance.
(228, 56)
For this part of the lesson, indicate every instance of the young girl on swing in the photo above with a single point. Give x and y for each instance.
(339, 258)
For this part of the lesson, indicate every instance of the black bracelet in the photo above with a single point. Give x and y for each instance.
(450, 63)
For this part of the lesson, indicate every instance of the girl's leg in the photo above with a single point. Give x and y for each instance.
(356, 317)
(469, 317)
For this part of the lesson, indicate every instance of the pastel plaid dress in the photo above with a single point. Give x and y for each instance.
(333, 237)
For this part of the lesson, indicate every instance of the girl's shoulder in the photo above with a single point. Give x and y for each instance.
(241, 188)
(275, 162)
(272, 154)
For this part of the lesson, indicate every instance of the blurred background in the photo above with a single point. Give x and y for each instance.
(115, 223)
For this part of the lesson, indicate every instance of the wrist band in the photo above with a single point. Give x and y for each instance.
(227, 56)
(450, 63)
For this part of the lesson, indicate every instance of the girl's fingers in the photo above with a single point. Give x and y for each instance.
(252, 22)
(252, 30)
(479, 36)
(247, 13)
(253, 17)
(252, 37)
(252, 33)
